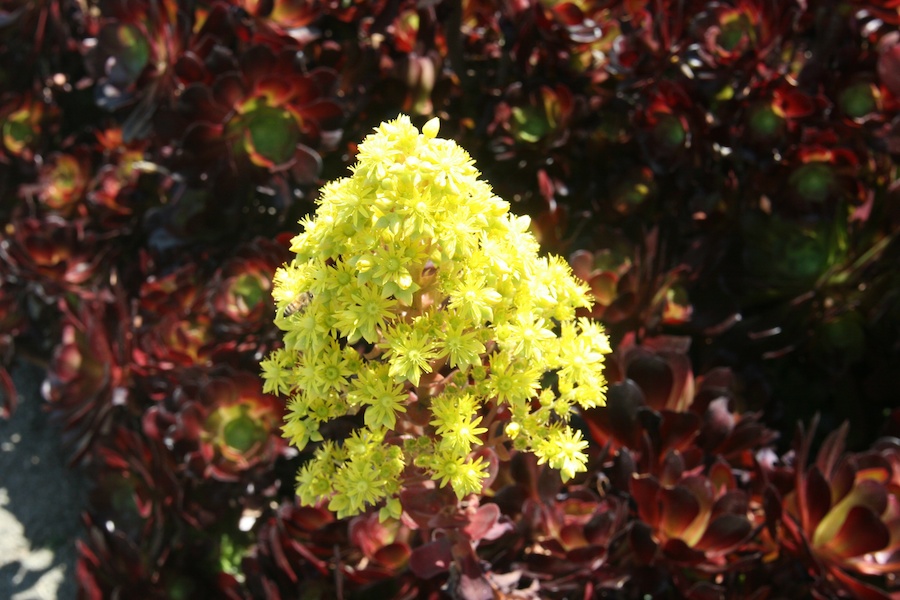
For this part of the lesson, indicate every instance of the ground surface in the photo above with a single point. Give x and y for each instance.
(40, 501)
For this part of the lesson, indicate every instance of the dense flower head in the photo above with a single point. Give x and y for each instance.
(413, 288)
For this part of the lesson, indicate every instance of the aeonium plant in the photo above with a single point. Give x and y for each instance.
(418, 306)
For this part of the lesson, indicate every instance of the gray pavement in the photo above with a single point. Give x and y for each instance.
(40, 501)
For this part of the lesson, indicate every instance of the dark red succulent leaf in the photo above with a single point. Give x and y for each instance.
(432, 558)
(630, 290)
(381, 542)
(12, 324)
(58, 256)
(842, 514)
(89, 378)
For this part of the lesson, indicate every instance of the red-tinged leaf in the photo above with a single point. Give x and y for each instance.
(725, 534)
(431, 559)
(734, 502)
(328, 114)
(654, 377)
(858, 589)
(818, 499)
(572, 536)
(9, 395)
(867, 494)
(879, 473)
(568, 14)
(721, 476)
(275, 89)
(679, 510)
(325, 79)
(603, 287)
(430, 508)
(482, 521)
(229, 90)
(773, 508)
(701, 488)
(623, 469)
(672, 468)
(87, 585)
(311, 518)
(393, 556)
(678, 430)
(842, 479)
(618, 419)
(703, 590)
(640, 537)
(678, 551)
(586, 554)
(470, 587)
(190, 69)
(746, 434)
(645, 490)
(889, 68)
(279, 555)
(832, 449)
(718, 422)
(257, 62)
(582, 263)
(489, 455)
(860, 533)
(369, 534)
(307, 164)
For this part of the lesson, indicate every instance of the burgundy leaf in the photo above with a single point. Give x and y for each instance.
(431, 559)
(640, 536)
(654, 377)
(679, 509)
(861, 532)
(724, 534)
(394, 556)
(818, 498)
(831, 450)
(858, 589)
(618, 419)
(645, 490)
(482, 521)
(678, 551)
(678, 429)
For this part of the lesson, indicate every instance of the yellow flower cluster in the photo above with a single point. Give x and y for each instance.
(415, 291)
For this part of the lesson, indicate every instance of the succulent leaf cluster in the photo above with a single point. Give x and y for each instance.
(721, 175)
(414, 284)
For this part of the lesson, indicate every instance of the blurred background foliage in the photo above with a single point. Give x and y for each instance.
(722, 174)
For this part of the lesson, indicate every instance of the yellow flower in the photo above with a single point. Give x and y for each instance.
(412, 266)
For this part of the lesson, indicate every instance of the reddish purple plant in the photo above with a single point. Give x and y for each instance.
(721, 174)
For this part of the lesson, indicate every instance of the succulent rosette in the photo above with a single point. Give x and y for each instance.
(117, 176)
(63, 181)
(56, 255)
(22, 122)
(173, 331)
(843, 515)
(240, 292)
(220, 426)
(132, 55)
(261, 106)
(628, 285)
